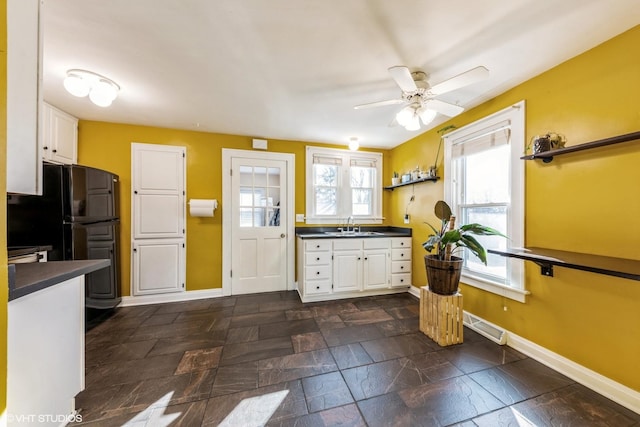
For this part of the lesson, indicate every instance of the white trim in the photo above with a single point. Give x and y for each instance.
(607, 387)
(227, 155)
(515, 114)
(415, 291)
(129, 301)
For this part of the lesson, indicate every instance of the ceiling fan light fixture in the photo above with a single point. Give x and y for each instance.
(101, 90)
(405, 115)
(426, 115)
(414, 123)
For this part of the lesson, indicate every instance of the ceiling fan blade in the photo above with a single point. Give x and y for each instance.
(379, 104)
(444, 107)
(403, 78)
(468, 77)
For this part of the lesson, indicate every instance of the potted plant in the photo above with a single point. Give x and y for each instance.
(443, 269)
(396, 178)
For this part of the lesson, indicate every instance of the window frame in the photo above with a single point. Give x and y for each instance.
(514, 288)
(344, 192)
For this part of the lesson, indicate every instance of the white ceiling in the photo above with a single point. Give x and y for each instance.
(294, 69)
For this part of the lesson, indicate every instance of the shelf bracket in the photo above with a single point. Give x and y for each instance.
(546, 269)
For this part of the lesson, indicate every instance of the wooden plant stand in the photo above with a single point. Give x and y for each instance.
(441, 317)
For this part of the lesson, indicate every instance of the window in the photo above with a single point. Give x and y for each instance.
(484, 183)
(343, 184)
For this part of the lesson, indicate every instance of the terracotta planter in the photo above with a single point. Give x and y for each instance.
(443, 276)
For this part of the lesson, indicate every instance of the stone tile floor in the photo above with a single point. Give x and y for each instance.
(268, 359)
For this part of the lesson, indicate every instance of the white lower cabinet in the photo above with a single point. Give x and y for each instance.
(400, 262)
(158, 266)
(348, 267)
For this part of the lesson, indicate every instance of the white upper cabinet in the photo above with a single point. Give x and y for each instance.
(59, 135)
(24, 78)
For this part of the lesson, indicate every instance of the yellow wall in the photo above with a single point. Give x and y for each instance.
(108, 146)
(4, 286)
(585, 202)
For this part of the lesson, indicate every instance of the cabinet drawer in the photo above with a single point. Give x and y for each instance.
(401, 254)
(400, 279)
(317, 272)
(317, 258)
(341, 244)
(401, 242)
(317, 245)
(376, 243)
(400, 267)
(317, 287)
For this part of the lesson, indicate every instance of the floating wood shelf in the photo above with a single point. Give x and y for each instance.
(547, 156)
(548, 258)
(417, 181)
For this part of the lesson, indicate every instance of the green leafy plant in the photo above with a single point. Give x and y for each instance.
(396, 174)
(450, 238)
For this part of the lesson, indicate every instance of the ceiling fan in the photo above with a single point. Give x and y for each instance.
(420, 96)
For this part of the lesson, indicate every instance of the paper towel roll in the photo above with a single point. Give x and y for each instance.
(202, 207)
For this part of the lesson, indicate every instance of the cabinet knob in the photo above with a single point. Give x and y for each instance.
(135, 191)
(401, 280)
(45, 148)
(318, 259)
(317, 246)
(401, 243)
(359, 258)
(402, 254)
(54, 150)
(402, 267)
(317, 272)
(317, 287)
(365, 258)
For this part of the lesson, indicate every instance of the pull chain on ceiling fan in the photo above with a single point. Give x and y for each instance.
(420, 96)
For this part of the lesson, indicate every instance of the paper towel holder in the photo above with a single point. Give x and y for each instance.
(202, 207)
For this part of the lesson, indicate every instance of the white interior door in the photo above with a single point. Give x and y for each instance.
(259, 222)
(158, 203)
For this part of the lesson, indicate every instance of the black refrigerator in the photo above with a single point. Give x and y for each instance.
(78, 215)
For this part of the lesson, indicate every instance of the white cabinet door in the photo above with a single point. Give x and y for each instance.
(24, 78)
(158, 225)
(158, 266)
(59, 136)
(158, 191)
(376, 269)
(347, 270)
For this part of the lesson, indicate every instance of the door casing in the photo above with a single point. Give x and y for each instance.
(227, 238)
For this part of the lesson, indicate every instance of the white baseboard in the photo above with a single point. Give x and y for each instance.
(607, 387)
(613, 390)
(174, 297)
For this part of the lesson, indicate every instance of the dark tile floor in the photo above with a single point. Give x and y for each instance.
(270, 360)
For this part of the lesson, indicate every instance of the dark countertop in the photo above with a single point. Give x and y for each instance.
(319, 232)
(25, 279)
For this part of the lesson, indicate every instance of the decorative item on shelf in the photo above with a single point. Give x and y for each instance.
(548, 141)
(396, 178)
(406, 177)
(415, 174)
(443, 269)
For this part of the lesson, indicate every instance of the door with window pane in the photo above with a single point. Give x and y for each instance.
(259, 225)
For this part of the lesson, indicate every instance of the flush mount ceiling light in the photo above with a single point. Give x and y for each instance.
(101, 90)
(353, 143)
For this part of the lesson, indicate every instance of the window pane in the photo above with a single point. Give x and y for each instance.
(325, 175)
(259, 197)
(260, 176)
(361, 177)
(494, 217)
(246, 219)
(326, 201)
(258, 217)
(246, 196)
(274, 177)
(487, 176)
(246, 175)
(361, 201)
(274, 217)
(273, 195)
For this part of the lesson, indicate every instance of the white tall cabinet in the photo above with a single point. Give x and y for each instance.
(24, 96)
(158, 202)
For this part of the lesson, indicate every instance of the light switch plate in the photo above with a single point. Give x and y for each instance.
(299, 217)
(406, 219)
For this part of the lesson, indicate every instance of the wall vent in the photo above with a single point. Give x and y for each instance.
(487, 329)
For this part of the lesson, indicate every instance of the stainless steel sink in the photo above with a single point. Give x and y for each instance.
(353, 233)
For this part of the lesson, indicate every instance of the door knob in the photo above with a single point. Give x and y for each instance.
(282, 236)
